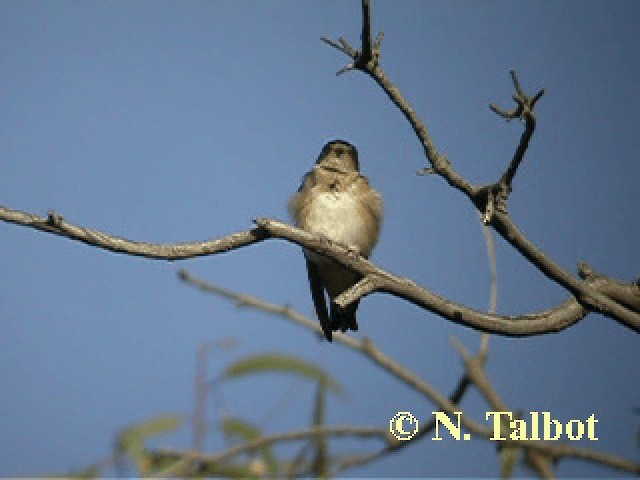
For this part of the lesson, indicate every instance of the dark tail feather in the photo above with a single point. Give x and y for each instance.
(317, 293)
(344, 319)
(326, 329)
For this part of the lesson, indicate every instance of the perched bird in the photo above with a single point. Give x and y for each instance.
(336, 202)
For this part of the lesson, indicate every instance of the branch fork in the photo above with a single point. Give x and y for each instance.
(525, 111)
(368, 57)
(494, 197)
(525, 104)
(364, 287)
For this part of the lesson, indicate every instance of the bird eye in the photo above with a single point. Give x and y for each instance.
(338, 151)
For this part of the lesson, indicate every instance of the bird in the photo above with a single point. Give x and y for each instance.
(336, 202)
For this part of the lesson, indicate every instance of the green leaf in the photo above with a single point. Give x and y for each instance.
(237, 428)
(280, 363)
(132, 439)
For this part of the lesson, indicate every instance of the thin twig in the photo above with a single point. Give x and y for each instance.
(525, 111)
(188, 460)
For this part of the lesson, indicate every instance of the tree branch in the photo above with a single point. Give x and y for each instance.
(55, 224)
(194, 461)
(552, 451)
(364, 347)
(524, 111)
(491, 199)
(547, 321)
(376, 279)
(555, 319)
(539, 451)
(587, 294)
(627, 294)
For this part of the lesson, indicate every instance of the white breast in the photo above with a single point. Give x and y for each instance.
(337, 216)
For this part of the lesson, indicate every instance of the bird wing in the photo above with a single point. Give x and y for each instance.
(317, 293)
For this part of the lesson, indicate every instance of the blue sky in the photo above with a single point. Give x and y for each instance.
(183, 121)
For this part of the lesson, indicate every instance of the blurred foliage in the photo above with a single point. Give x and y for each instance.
(278, 362)
(312, 458)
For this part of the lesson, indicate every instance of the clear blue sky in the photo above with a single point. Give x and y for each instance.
(182, 121)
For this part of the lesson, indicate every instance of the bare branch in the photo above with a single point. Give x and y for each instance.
(365, 37)
(364, 347)
(552, 451)
(426, 426)
(477, 376)
(524, 111)
(367, 61)
(55, 224)
(587, 294)
(493, 197)
(627, 294)
(556, 319)
(190, 459)
(540, 451)
(364, 287)
(249, 301)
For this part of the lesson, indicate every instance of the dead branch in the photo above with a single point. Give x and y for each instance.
(377, 280)
(490, 200)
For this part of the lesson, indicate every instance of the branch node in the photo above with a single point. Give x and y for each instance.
(345, 69)
(489, 208)
(376, 48)
(490, 199)
(367, 345)
(426, 171)
(586, 271)
(367, 58)
(525, 104)
(54, 219)
(440, 163)
(261, 222)
(361, 289)
(523, 111)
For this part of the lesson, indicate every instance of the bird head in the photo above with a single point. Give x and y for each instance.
(339, 156)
